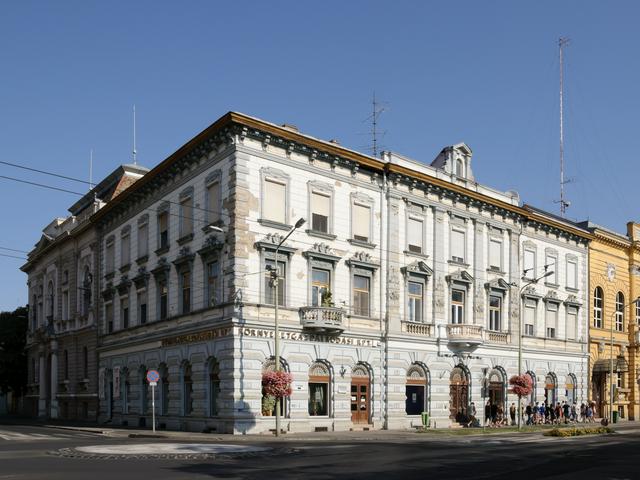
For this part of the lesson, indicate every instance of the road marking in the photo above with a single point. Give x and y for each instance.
(170, 449)
(29, 437)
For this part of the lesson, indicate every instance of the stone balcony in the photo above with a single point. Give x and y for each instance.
(322, 319)
(464, 338)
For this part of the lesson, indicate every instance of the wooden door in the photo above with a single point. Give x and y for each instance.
(458, 395)
(360, 400)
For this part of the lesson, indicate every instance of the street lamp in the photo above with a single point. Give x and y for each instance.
(274, 279)
(531, 282)
(611, 354)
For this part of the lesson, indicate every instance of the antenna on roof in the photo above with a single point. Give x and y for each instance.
(564, 203)
(134, 135)
(90, 169)
(377, 110)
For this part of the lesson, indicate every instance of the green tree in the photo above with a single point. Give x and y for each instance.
(13, 358)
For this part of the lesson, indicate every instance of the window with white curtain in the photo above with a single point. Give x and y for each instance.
(551, 319)
(275, 201)
(414, 235)
(457, 245)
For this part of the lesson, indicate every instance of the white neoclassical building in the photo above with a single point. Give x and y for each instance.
(400, 293)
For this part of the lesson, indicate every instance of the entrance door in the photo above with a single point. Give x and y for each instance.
(360, 395)
(458, 395)
(598, 388)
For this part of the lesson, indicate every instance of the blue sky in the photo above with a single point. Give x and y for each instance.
(482, 72)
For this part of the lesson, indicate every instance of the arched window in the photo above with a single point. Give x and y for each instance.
(144, 389)
(268, 407)
(459, 168)
(550, 385)
(164, 389)
(416, 390)
(319, 381)
(497, 387)
(598, 305)
(620, 312)
(214, 387)
(532, 397)
(571, 389)
(187, 389)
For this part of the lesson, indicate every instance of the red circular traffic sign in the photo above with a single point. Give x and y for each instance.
(153, 376)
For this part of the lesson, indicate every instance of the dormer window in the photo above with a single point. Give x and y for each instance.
(459, 168)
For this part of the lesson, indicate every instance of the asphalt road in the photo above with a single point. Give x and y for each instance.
(30, 452)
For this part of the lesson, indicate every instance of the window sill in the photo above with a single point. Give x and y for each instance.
(497, 272)
(162, 250)
(185, 239)
(551, 285)
(455, 262)
(217, 223)
(570, 289)
(271, 224)
(125, 268)
(319, 234)
(416, 254)
(142, 259)
(360, 243)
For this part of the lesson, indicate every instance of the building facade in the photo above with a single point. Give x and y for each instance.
(61, 341)
(614, 283)
(400, 294)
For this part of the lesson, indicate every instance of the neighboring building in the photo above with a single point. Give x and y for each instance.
(62, 274)
(614, 285)
(399, 295)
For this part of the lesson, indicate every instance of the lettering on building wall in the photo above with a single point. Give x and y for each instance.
(197, 337)
(308, 337)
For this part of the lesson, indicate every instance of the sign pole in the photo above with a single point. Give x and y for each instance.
(153, 405)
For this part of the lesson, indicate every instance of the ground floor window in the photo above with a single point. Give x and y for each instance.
(416, 391)
(319, 380)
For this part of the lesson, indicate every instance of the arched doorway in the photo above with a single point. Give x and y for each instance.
(458, 394)
(268, 403)
(571, 389)
(532, 397)
(360, 394)
(416, 390)
(497, 388)
(550, 384)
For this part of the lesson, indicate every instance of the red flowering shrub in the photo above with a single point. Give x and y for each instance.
(521, 385)
(277, 384)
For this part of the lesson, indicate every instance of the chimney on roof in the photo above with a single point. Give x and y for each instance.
(291, 127)
(334, 141)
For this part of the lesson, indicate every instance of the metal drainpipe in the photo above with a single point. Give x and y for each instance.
(384, 308)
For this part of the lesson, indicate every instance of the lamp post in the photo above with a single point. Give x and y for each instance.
(611, 354)
(531, 282)
(274, 279)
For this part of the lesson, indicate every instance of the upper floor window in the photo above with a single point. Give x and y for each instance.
(638, 313)
(459, 168)
(163, 229)
(275, 201)
(185, 287)
(495, 254)
(457, 245)
(551, 319)
(125, 248)
(50, 300)
(163, 298)
(320, 286)
(213, 278)
(495, 312)
(529, 264)
(572, 323)
(415, 293)
(572, 274)
(213, 200)
(530, 310)
(619, 312)
(124, 312)
(142, 306)
(361, 222)
(320, 212)
(186, 213)
(108, 316)
(109, 255)
(361, 295)
(457, 306)
(269, 282)
(415, 231)
(143, 237)
(551, 262)
(598, 299)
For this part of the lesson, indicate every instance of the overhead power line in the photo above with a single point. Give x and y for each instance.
(15, 165)
(13, 250)
(12, 256)
(41, 185)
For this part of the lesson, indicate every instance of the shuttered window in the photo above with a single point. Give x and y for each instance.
(551, 320)
(457, 245)
(572, 323)
(529, 317)
(529, 264)
(186, 216)
(275, 201)
(551, 262)
(495, 254)
(414, 235)
(572, 273)
(361, 221)
(213, 202)
(320, 212)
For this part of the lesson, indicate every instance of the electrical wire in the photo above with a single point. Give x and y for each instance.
(12, 256)
(41, 185)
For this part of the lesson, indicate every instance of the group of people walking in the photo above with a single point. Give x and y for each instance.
(545, 413)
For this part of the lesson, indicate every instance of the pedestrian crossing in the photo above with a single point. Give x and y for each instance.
(13, 436)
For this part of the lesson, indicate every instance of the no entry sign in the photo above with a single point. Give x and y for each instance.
(153, 376)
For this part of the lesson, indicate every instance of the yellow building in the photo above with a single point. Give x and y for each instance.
(614, 279)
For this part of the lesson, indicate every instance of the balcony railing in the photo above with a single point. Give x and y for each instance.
(465, 337)
(497, 337)
(322, 319)
(423, 329)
